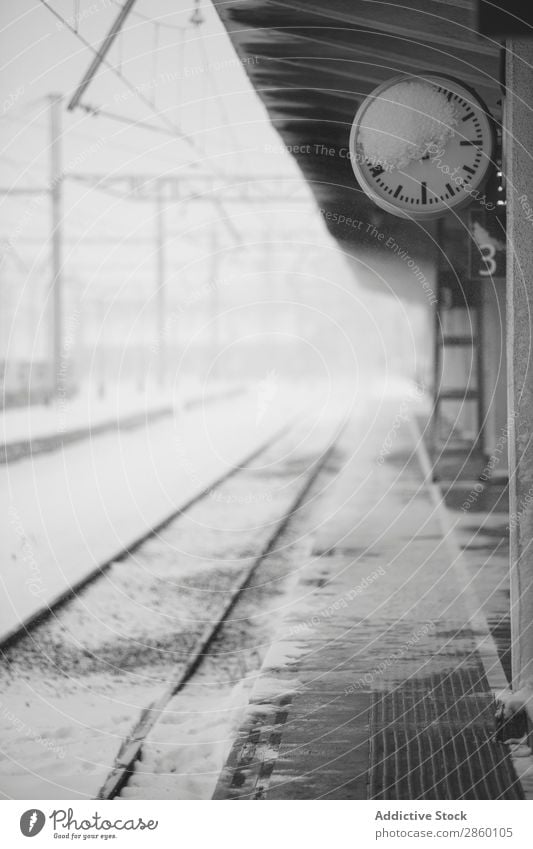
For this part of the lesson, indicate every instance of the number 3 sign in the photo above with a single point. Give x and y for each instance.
(488, 252)
(487, 245)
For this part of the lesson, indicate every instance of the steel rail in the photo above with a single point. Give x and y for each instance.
(68, 594)
(131, 749)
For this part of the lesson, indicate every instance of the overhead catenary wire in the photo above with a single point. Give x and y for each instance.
(218, 96)
(120, 50)
(173, 131)
(114, 142)
(123, 119)
(155, 59)
(77, 14)
(100, 53)
(147, 18)
(131, 87)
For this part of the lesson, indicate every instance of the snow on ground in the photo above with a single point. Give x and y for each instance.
(85, 410)
(74, 687)
(185, 752)
(77, 508)
(188, 748)
(89, 409)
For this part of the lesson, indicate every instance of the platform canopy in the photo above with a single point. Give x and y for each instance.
(313, 62)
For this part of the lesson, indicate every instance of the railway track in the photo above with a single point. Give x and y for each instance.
(190, 590)
(131, 749)
(51, 608)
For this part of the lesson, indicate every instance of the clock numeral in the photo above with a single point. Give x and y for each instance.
(468, 169)
(468, 116)
(377, 171)
(475, 142)
(424, 188)
(450, 190)
(398, 190)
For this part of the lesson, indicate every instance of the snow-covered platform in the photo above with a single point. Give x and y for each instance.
(37, 428)
(381, 683)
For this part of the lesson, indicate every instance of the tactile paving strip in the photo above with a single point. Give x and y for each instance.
(250, 765)
(432, 738)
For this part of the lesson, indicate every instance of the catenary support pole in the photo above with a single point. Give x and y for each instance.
(56, 198)
(214, 270)
(101, 54)
(519, 173)
(160, 294)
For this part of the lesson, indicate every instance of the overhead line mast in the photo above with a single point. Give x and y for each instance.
(101, 53)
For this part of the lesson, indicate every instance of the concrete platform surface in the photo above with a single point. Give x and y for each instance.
(381, 682)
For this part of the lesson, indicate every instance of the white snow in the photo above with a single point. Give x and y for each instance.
(403, 122)
(188, 748)
(69, 698)
(515, 701)
(74, 509)
(86, 410)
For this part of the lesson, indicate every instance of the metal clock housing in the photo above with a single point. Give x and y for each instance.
(443, 180)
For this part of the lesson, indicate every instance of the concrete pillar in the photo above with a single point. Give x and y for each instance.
(160, 288)
(494, 376)
(519, 174)
(56, 200)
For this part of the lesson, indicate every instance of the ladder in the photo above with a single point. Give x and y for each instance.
(459, 305)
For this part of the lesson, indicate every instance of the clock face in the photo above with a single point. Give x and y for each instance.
(447, 176)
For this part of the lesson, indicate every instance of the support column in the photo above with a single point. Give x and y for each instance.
(493, 371)
(519, 174)
(160, 295)
(56, 197)
(214, 270)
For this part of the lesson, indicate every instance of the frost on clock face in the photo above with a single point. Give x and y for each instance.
(402, 122)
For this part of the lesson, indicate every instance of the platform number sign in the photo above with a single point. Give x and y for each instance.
(444, 177)
(487, 244)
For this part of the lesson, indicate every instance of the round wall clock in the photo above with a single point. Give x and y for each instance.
(422, 145)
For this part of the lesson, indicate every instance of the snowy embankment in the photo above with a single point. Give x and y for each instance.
(74, 688)
(73, 510)
(35, 428)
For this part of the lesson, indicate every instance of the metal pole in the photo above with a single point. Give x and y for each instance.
(101, 53)
(519, 172)
(56, 198)
(101, 351)
(215, 306)
(160, 294)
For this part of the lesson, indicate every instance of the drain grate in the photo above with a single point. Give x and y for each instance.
(432, 738)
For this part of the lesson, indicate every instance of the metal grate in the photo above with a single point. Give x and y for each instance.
(432, 738)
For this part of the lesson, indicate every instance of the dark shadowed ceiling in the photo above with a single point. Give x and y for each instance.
(313, 62)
